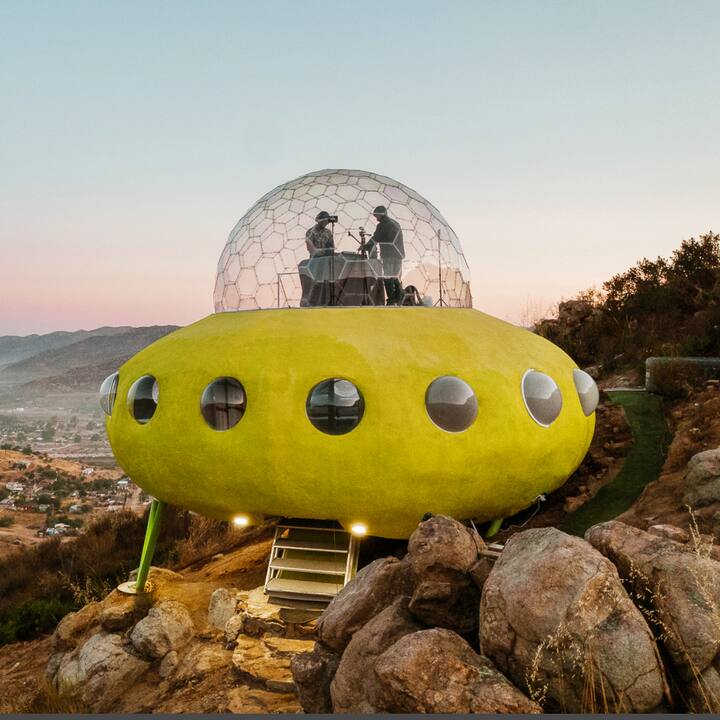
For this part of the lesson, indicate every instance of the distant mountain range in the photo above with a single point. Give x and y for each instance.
(68, 362)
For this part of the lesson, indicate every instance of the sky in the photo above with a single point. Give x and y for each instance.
(563, 141)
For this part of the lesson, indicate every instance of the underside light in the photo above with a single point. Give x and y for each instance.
(358, 529)
(241, 521)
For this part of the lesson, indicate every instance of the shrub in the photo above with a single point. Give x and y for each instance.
(32, 618)
(6, 521)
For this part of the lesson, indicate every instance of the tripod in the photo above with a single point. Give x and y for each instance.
(332, 264)
(440, 301)
(364, 257)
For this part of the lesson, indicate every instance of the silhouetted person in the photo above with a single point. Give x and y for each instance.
(388, 238)
(319, 239)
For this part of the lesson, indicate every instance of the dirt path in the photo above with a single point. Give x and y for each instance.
(643, 464)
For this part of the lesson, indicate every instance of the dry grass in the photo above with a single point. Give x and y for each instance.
(47, 700)
(565, 660)
(206, 537)
(688, 684)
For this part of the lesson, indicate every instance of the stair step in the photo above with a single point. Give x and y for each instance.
(301, 524)
(302, 589)
(320, 567)
(291, 544)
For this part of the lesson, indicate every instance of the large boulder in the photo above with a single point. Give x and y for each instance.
(679, 590)
(436, 671)
(702, 479)
(313, 672)
(354, 688)
(441, 553)
(101, 671)
(374, 588)
(556, 620)
(74, 626)
(168, 626)
(223, 603)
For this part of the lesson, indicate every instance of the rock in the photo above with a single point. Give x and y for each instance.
(168, 664)
(436, 671)
(441, 552)
(168, 626)
(480, 570)
(354, 688)
(571, 504)
(443, 542)
(259, 617)
(593, 371)
(202, 659)
(374, 588)
(233, 627)
(679, 589)
(247, 700)
(556, 620)
(670, 532)
(73, 626)
(102, 670)
(116, 618)
(702, 479)
(313, 672)
(266, 661)
(222, 607)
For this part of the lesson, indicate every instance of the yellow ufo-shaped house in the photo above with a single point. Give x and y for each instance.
(345, 376)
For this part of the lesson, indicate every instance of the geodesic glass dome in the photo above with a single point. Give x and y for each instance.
(278, 255)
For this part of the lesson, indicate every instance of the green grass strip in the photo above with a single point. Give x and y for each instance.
(643, 464)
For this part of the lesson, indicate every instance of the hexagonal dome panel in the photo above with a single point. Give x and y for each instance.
(269, 262)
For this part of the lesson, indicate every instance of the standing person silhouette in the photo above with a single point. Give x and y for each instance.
(388, 238)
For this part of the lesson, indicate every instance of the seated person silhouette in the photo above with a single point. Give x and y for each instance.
(319, 239)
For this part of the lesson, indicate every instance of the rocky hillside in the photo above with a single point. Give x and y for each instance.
(623, 620)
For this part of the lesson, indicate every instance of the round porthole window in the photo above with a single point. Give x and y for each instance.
(587, 391)
(451, 403)
(142, 398)
(335, 406)
(542, 397)
(108, 392)
(223, 403)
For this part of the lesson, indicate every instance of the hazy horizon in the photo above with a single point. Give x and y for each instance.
(561, 141)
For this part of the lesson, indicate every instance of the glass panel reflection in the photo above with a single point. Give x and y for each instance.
(587, 391)
(143, 398)
(108, 392)
(542, 397)
(223, 403)
(335, 406)
(451, 403)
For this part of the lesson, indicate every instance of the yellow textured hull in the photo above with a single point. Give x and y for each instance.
(396, 464)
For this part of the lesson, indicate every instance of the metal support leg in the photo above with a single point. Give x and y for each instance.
(494, 527)
(151, 536)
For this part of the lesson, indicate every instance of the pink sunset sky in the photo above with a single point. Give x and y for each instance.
(562, 142)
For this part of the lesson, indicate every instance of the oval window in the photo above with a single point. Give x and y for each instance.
(223, 403)
(587, 391)
(335, 406)
(542, 397)
(142, 398)
(451, 403)
(108, 392)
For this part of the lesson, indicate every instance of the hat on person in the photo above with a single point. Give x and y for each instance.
(322, 215)
(380, 210)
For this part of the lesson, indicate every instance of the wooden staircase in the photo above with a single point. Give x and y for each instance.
(310, 562)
